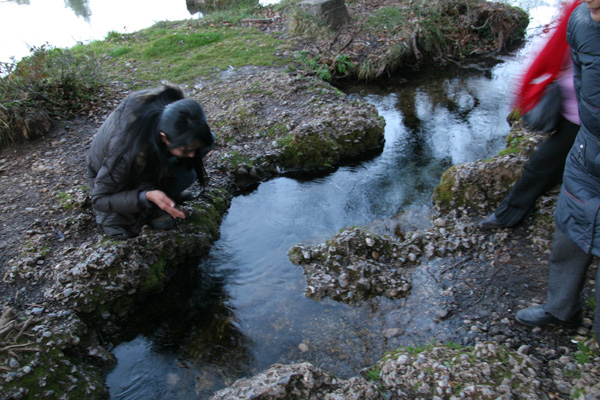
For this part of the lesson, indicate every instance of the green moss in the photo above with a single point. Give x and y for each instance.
(309, 151)
(318, 150)
(277, 130)
(513, 144)
(53, 371)
(155, 277)
(443, 194)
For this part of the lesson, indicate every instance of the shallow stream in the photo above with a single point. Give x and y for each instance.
(243, 308)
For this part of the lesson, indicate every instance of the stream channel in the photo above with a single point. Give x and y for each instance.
(242, 308)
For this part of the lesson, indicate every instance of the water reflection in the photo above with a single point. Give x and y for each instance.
(81, 8)
(188, 338)
(64, 23)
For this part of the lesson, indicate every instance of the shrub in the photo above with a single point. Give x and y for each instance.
(48, 83)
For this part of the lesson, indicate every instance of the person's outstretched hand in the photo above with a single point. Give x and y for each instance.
(163, 202)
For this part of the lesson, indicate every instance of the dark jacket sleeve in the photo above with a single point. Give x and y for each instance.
(107, 195)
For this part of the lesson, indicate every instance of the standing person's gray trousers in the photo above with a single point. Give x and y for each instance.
(543, 171)
(568, 269)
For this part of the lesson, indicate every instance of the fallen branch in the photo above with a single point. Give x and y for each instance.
(18, 347)
(456, 264)
(25, 325)
(8, 327)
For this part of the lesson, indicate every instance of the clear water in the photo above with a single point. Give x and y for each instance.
(242, 308)
(262, 314)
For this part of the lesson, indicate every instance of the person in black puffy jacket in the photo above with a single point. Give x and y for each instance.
(146, 153)
(577, 235)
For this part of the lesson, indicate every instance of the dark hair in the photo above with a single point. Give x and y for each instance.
(161, 110)
(184, 122)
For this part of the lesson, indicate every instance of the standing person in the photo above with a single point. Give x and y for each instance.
(146, 153)
(545, 167)
(577, 235)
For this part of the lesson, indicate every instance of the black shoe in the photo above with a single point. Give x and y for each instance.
(184, 196)
(491, 222)
(537, 316)
(162, 221)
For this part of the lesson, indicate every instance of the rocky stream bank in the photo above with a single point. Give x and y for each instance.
(66, 287)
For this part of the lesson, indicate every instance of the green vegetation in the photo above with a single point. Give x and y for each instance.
(374, 373)
(238, 160)
(228, 10)
(321, 69)
(584, 354)
(48, 83)
(442, 194)
(66, 200)
(182, 52)
(512, 145)
(387, 19)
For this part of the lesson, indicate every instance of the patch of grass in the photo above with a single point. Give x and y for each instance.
(387, 19)
(374, 373)
(179, 42)
(66, 200)
(227, 10)
(304, 25)
(184, 51)
(455, 346)
(585, 354)
(432, 30)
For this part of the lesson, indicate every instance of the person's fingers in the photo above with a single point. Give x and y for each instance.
(174, 212)
(165, 203)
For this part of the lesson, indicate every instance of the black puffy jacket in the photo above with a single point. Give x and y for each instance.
(122, 213)
(579, 201)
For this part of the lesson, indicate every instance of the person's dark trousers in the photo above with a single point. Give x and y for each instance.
(543, 171)
(568, 268)
(184, 178)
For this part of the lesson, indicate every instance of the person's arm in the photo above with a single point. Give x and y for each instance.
(107, 195)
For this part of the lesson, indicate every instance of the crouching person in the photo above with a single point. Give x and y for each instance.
(144, 156)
